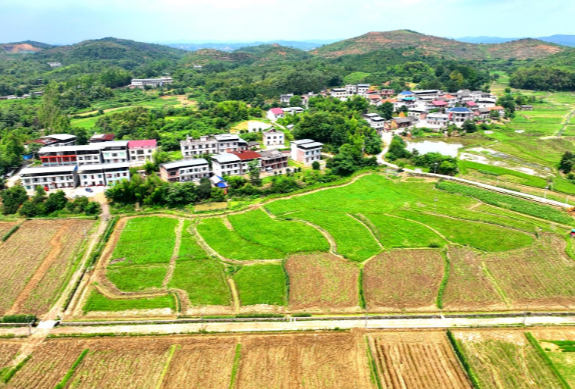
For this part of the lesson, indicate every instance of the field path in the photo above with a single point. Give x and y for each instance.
(175, 254)
(235, 295)
(56, 244)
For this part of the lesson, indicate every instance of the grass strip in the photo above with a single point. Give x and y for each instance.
(362, 302)
(103, 240)
(547, 360)
(236, 366)
(372, 366)
(10, 233)
(173, 350)
(443, 281)
(7, 374)
(463, 359)
(72, 370)
(508, 202)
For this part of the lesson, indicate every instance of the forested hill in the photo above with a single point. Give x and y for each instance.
(436, 46)
(268, 53)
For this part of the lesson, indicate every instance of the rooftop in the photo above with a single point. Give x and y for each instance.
(277, 111)
(225, 157)
(226, 137)
(48, 169)
(311, 145)
(62, 137)
(102, 137)
(246, 155)
(149, 143)
(459, 110)
(184, 163)
(103, 166)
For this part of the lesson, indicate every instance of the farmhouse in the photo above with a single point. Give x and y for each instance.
(526, 108)
(458, 115)
(275, 114)
(402, 122)
(374, 120)
(234, 163)
(387, 92)
(273, 138)
(273, 160)
(432, 93)
(339, 93)
(115, 151)
(150, 82)
(284, 99)
(437, 120)
(211, 144)
(99, 138)
(293, 110)
(306, 151)
(56, 140)
(185, 170)
(103, 174)
(141, 151)
(70, 155)
(49, 177)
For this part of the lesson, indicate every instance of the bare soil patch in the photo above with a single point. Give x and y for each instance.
(8, 350)
(403, 279)
(322, 281)
(422, 360)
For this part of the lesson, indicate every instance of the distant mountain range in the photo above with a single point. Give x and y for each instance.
(437, 46)
(229, 47)
(564, 40)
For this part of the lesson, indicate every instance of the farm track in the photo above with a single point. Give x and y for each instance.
(56, 249)
(369, 228)
(175, 254)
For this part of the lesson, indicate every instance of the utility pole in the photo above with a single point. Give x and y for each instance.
(435, 168)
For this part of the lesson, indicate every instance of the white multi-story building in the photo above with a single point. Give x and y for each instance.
(211, 144)
(284, 99)
(185, 170)
(374, 120)
(306, 151)
(115, 151)
(151, 82)
(142, 151)
(339, 93)
(234, 163)
(459, 115)
(273, 138)
(103, 174)
(436, 120)
(49, 177)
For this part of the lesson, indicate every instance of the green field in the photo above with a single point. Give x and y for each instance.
(495, 172)
(98, 302)
(261, 284)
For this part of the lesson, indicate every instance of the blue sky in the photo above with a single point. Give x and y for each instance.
(68, 21)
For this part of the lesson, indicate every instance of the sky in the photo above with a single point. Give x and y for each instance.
(71, 21)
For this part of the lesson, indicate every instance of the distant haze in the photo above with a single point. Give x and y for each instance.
(565, 40)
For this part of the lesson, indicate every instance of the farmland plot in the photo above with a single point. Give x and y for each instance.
(201, 363)
(8, 350)
(422, 360)
(559, 345)
(541, 275)
(261, 284)
(394, 232)
(303, 361)
(5, 227)
(49, 364)
(403, 279)
(468, 287)
(122, 363)
(322, 281)
(505, 360)
(34, 263)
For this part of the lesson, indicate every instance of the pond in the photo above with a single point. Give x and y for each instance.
(432, 146)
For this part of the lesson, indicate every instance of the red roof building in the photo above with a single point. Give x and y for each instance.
(277, 111)
(471, 104)
(142, 150)
(246, 155)
(143, 144)
(439, 103)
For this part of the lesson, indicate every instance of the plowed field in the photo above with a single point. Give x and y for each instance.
(34, 263)
(402, 279)
(8, 350)
(417, 360)
(5, 227)
(468, 287)
(322, 281)
(541, 275)
(304, 361)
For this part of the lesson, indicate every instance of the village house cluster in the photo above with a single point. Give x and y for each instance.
(100, 163)
(433, 109)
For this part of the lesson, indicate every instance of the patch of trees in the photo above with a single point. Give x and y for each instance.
(15, 200)
(543, 78)
(435, 162)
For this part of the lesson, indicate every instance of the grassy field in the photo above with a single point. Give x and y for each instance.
(395, 232)
(505, 360)
(261, 284)
(230, 244)
(137, 277)
(353, 239)
(98, 302)
(474, 169)
(285, 236)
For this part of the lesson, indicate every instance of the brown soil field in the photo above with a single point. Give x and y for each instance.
(46, 284)
(423, 360)
(541, 276)
(322, 281)
(403, 279)
(304, 361)
(505, 359)
(126, 363)
(554, 333)
(202, 363)
(21, 255)
(5, 227)
(468, 287)
(8, 350)
(49, 364)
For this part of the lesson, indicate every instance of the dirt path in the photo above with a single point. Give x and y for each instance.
(368, 227)
(55, 251)
(566, 122)
(235, 295)
(175, 254)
